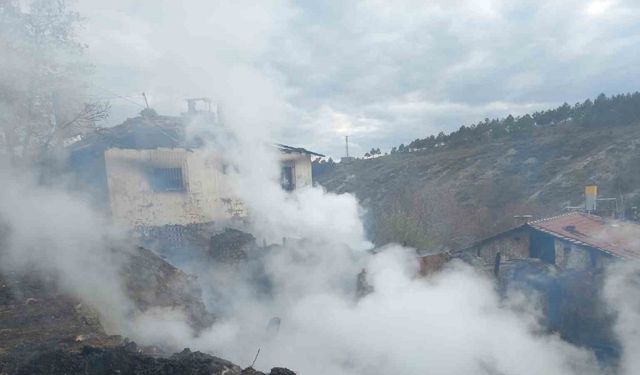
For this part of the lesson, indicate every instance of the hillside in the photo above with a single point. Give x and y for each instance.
(451, 194)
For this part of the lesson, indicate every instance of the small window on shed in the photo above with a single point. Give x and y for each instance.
(166, 179)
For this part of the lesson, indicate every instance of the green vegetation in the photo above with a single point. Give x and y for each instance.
(603, 112)
(449, 190)
(401, 228)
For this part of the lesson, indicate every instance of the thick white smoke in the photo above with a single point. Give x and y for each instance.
(253, 119)
(452, 323)
(49, 232)
(622, 293)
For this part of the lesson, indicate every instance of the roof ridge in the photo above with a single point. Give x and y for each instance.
(555, 217)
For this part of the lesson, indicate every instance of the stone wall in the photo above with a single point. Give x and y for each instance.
(573, 256)
(512, 245)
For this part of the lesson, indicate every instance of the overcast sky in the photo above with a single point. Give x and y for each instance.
(383, 72)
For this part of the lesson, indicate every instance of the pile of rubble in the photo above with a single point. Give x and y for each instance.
(127, 359)
(152, 282)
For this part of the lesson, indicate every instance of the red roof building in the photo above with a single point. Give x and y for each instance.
(572, 240)
(614, 237)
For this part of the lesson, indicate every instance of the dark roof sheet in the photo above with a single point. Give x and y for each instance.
(492, 237)
(290, 149)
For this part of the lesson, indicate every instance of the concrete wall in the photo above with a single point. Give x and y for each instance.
(301, 164)
(207, 195)
(572, 256)
(134, 202)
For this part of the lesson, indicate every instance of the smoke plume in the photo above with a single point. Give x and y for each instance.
(451, 323)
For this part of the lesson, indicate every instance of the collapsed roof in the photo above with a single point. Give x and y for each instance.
(151, 132)
(147, 131)
(142, 132)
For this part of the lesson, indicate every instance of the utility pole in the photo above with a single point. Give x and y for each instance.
(346, 144)
(145, 100)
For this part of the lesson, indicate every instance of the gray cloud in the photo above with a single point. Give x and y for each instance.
(383, 72)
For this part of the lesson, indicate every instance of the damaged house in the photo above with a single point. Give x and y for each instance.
(151, 174)
(576, 240)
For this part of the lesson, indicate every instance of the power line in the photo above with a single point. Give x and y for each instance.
(119, 96)
(102, 97)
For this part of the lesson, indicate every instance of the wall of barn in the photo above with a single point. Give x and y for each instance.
(516, 244)
(134, 202)
(513, 245)
(573, 256)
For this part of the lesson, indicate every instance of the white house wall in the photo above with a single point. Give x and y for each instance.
(134, 202)
(207, 194)
(302, 168)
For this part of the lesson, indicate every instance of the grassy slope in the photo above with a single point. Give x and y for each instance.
(477, 189)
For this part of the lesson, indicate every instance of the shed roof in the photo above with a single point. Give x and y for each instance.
(290, 149)
(493, 237)
(615, 237)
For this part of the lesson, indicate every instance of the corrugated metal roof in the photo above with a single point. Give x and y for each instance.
(615, 237)
(289, 149)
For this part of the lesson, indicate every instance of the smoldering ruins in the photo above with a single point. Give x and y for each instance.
(202, 242)
(156, 251)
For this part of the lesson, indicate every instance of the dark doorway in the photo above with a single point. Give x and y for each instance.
(286, 178)
(542, 246)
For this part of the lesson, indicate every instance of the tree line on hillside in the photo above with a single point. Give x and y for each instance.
(321, 166)
(618, 110)
(373, 152)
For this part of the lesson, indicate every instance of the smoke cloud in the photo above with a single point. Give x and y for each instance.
(621, 292)
(451, 323)
(52, 233)
(454, 323)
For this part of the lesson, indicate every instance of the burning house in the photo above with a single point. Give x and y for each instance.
(152, 174)
(576, 240)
